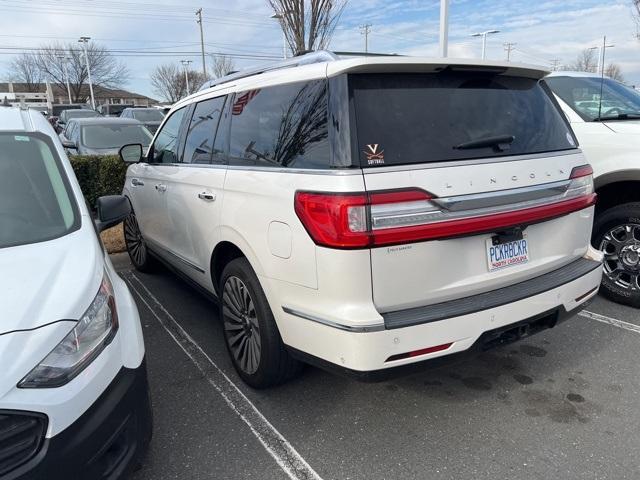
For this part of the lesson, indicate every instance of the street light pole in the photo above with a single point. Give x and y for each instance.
(280, 17)
(484, 40)
(64, 61)
(444, 28)
(186, 63)
(84, 41)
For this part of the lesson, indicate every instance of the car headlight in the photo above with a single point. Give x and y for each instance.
(93, 332)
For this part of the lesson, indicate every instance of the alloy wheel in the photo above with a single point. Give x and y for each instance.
(241, 324)
(133, 238)
(621, 247)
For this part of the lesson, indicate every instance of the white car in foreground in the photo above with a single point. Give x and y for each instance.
(74, 398)
(609, 134)
(369, 213)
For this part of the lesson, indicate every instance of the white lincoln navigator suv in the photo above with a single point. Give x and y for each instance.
(369, 213)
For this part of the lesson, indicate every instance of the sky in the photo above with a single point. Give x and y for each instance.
(146, 33)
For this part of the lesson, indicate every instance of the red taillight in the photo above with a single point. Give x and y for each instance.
(581, 171)
(392, 217)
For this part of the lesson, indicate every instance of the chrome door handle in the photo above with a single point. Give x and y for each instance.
(210, 197)
(161, 188)
(137, 183)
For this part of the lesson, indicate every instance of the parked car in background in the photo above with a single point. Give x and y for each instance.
(149, 117)
(609, 135)
(74, 399)
(103, 135)
(369, 213)
(57, 109)
(112, 110)
(66, 115)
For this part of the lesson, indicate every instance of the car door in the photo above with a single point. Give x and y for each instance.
(195, 194)
(148, 182)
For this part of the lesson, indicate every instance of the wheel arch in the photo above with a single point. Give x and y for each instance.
(230, 247)
(617, 188)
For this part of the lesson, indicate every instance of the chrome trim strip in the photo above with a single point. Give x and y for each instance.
(376, 170)
(157, 248)
(498, 198)
(329, 323)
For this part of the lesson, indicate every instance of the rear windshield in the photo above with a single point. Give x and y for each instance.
(151, 115)
(114, 136)
(35, 200)
(417, 118)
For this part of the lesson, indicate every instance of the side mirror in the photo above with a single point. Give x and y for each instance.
(112, 209)
(131, 153)
(69, 144)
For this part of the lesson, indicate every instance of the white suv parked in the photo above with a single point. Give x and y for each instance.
(609, 135)
(369, 213)
(74, 400)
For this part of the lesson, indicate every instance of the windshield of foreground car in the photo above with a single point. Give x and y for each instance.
(148, 115)
(114, 135)
(35, 200)
(582, 94)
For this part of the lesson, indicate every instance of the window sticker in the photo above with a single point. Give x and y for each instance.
(21, 138)
(374, 154)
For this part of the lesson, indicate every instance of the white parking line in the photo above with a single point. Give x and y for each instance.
(632, 327)
(278, 447)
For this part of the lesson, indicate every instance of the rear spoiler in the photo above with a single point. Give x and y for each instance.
(432, 65)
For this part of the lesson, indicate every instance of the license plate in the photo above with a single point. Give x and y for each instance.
(508, 254)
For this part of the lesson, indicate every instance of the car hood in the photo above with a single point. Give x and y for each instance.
(49, 281)
(625, 126)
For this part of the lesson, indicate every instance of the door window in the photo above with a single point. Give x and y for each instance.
(282, 126)
(202, 131)
(165, 148)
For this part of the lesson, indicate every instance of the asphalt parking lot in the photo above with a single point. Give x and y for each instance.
(562, 404)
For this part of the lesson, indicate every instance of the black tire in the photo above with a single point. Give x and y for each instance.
(616, 232)
(251, 334)
(137, 248)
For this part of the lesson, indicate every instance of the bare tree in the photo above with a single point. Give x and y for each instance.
(587, 61)
(23, 69)
(614, 71)
(169, 81)
(636, 8)
(106, 71)
(308, 24)
(222, 65)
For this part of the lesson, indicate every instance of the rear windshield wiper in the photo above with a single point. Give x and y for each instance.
(619, 116)
(499, 142)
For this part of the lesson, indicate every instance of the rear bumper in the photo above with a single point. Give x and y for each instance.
(362, 352)
(106, 441)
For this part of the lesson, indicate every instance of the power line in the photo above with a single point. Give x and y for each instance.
(365, 30)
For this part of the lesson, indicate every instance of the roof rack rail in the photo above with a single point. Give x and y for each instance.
(306, 59)
(367, 54)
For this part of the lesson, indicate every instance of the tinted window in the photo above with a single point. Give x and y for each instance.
(284, 126)
(147, 115)
(619, 102)
(417, 118)
(165, 148)
(202, 130)
(114, 135)
(35, 200)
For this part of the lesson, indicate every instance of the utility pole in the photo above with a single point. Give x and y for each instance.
(280, 17)
(185, 64)
(365, 30)
(484, 40)
(555, 63)
(199, 21)
(84, 41)
(64, 59)
(508, 46)
(444, 28)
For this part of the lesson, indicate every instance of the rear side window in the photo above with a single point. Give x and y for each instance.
(419, 118)
(282, 126)
(202, 130)
(36, 203)
(165, 147)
